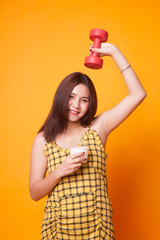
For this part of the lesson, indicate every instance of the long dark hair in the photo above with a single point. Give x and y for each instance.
(57, 120)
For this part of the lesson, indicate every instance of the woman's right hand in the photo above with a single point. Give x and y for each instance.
(71, 164)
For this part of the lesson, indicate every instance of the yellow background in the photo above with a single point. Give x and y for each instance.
(40, 43)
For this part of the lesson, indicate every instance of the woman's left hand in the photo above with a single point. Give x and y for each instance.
(107, 49)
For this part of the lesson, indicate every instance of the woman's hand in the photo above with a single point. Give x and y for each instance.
(71, 164)
(107, 49)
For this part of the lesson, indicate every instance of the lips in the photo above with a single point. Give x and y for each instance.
(73, 112)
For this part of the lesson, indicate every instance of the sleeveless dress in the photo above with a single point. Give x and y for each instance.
(79, 207)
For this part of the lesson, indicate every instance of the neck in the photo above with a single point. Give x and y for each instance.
(73, 126)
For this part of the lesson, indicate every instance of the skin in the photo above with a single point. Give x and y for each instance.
(103, 124)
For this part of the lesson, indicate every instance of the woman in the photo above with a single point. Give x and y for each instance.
(78, 206)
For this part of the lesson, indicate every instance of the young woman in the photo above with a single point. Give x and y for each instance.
(78, 205)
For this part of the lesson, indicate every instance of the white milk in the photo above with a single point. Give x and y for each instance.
(78, 149)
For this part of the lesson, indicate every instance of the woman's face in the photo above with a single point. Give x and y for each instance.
(78, 103)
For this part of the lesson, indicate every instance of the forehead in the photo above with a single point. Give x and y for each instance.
(81, 89)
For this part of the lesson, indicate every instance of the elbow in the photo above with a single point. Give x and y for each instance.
(138, 98)
(144, 95)
(34, 195)
(141, 97)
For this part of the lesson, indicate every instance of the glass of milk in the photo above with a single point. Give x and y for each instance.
(80, 148)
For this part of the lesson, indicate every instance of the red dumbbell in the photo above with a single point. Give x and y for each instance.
(98, 36)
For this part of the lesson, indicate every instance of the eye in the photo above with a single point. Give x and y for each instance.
(71, 96)
(85, 100)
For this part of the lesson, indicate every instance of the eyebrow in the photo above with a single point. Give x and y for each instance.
(82, 97)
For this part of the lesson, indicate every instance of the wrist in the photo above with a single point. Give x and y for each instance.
(124, 69)
(58, 173)
(120, 60)
(114, 51)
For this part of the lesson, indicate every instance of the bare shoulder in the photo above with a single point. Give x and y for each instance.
(38, 150)
(40, 138)
(39, 141)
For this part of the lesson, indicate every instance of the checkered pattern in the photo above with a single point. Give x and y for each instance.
(79, 207)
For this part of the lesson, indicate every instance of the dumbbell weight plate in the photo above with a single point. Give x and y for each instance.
(98, 33)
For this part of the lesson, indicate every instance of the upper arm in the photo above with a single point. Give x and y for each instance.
(112, 118)
(38, 165)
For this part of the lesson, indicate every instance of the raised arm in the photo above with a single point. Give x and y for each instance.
(110, 119)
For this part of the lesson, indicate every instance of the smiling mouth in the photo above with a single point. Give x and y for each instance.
(73, 112)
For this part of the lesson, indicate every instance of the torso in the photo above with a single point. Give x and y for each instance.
(79, 206)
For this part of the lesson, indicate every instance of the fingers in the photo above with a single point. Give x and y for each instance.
(95, 50)
(72, 163)
(75, 164)
(91, 49)
(75, 155)
(104, 50)
(78, 158)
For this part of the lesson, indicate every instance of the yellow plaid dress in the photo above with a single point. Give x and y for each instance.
(79, 206)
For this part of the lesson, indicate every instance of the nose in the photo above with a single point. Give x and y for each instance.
(76, 103)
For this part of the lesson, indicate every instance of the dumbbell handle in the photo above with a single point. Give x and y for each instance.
(96, 44)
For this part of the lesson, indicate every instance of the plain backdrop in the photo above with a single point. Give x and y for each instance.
(40, 43)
